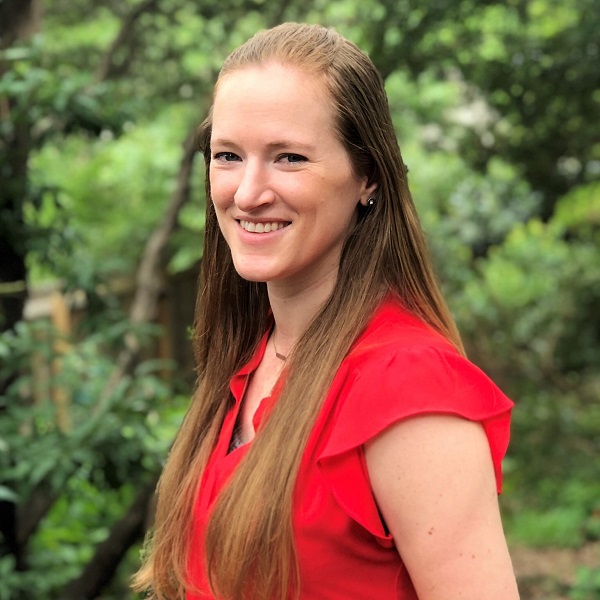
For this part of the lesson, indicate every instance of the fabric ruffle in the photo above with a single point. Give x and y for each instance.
(392, 382)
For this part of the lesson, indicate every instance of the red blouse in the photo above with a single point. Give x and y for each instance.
(398, 368)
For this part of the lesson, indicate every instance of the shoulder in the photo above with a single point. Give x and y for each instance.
(393, 328)
(398, 344)
(435, 483)
(399, 368)
(399, 351)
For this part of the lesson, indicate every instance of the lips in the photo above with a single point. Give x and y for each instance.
(252, 227)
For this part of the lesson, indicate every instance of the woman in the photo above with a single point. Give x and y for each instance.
(339, 445)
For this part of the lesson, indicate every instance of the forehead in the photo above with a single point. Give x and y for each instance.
(278, 74)
(274, 96)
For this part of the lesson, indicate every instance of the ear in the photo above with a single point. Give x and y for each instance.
(368, 192)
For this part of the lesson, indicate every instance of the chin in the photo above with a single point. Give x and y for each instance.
(251, 271)
(252, 277)
(250, 274)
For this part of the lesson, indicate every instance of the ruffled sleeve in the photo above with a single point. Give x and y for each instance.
(394, 382)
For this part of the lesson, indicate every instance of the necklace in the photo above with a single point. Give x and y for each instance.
(277, 354)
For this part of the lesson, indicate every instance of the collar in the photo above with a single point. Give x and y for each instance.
(237, 384)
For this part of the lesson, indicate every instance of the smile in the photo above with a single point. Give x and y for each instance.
(262, 227)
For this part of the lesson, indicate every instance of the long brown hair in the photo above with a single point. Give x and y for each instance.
(384, 253)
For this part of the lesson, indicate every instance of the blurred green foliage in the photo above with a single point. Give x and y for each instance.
(587, 586)
(497, 110)
(89, 466)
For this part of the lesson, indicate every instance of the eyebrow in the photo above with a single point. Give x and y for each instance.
(280, 144)
(274, 145)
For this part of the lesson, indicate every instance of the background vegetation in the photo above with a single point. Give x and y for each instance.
(497, 108)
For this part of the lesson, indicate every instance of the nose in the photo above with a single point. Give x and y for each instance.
(253, 189)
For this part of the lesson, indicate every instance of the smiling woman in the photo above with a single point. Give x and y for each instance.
(302, 191)
(339, 445)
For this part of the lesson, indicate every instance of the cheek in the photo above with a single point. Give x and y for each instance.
(221, 222)
(220, 206)
(221, 190)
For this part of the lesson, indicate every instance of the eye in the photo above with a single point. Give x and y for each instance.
(226, 156)
(292, 158)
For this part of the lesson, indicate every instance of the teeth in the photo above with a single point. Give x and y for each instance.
(262, 227)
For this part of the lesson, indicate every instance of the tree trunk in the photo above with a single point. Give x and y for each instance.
(109, 554)
(19, 19)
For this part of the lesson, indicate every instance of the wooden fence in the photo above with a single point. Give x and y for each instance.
(175, 316)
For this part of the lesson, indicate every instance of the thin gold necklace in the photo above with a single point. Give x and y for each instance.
(277, 354)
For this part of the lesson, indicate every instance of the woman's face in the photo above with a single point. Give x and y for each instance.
(282, 183)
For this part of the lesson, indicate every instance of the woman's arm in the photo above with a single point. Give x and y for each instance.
(433, 479)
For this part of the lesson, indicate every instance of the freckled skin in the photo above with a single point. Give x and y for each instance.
(446, 526)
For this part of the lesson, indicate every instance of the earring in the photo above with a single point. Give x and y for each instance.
(371, 201)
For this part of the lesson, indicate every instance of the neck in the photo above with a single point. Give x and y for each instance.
(294, 308)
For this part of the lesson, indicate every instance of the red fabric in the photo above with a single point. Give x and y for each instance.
(398, 368)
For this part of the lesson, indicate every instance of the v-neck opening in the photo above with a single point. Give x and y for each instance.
(239, 386)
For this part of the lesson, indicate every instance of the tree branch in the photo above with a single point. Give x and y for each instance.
(30, 514)
(19, 19)
(149, 275)
(109, 554)
(143, 310)
(149, 279)
(108, 67)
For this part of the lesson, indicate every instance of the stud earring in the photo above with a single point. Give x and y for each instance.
(371, 201)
